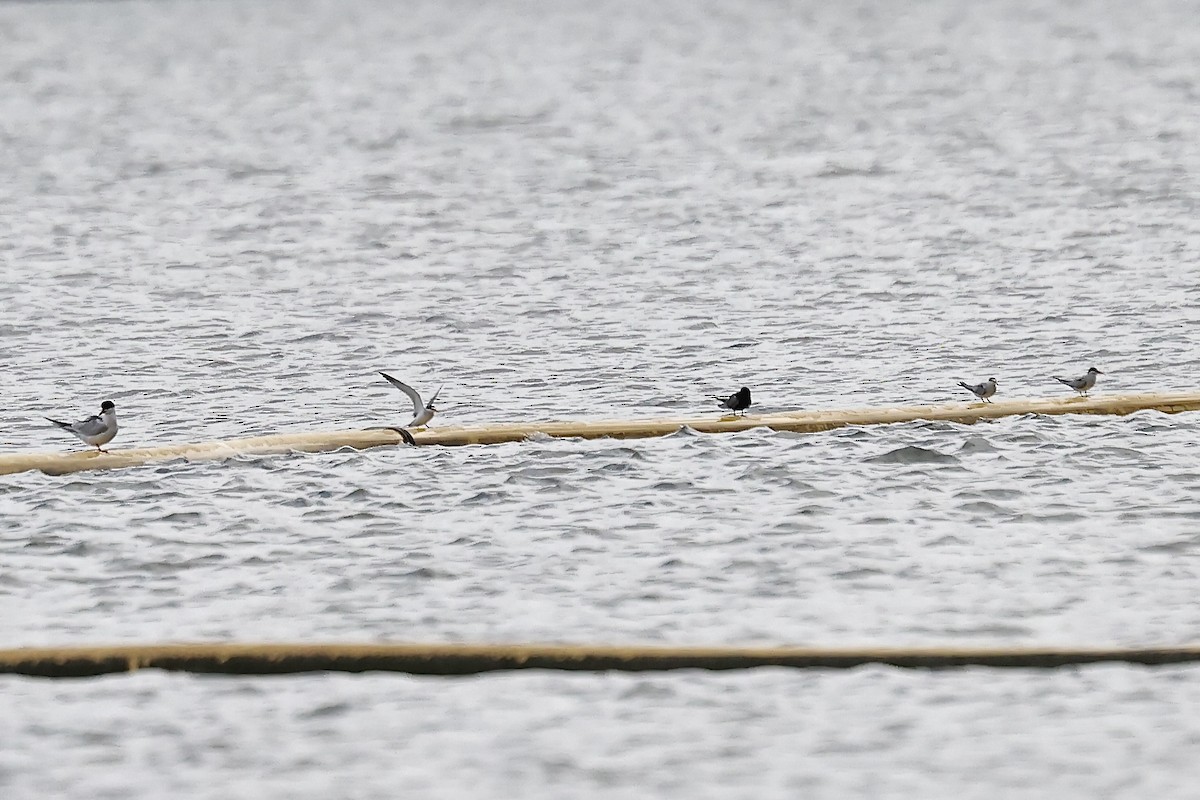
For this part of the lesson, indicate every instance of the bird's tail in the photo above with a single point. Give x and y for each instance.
(964, 385)
(1067, 381)
(65, 425)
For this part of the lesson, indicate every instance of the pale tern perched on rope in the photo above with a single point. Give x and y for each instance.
(96, 430)
(1081, 385)
(423, 412)
(983, 391)
(738, 401)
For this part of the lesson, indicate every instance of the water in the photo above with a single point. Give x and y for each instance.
(226, 217)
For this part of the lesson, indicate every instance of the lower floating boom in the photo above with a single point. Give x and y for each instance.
(473, 659)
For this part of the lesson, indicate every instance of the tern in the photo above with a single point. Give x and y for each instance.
(96, 430)
(738, 401)
(983, 391)
(423, 412)
(1081, 385)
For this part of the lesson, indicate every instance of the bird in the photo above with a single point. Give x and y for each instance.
(423, 412)
(1081, 385)
(738, 401)
(983, 391)
(97, 430)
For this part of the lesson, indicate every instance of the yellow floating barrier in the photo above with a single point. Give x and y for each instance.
(467, 659)
(798, 421)
(63, 463)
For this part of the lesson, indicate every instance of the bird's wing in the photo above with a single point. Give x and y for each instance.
(1068, 381)
(92, 426)
(408, 390)
(60, 423)
(435, 394)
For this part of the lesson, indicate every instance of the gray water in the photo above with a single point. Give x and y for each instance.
(227, 216)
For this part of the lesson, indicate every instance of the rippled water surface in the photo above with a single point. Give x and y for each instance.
(227, 216)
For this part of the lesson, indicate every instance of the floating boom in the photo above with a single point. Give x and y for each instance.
(472, 659)
(797, 421)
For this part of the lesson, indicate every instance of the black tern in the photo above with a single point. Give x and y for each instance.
(423, 412)
(1081, 385)
(983, 391)
(96, 430)
(738, 401)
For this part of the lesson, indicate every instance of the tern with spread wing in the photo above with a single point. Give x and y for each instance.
(422, 412)
(97, 430)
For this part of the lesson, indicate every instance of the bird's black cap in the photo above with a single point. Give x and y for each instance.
(107, 404)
